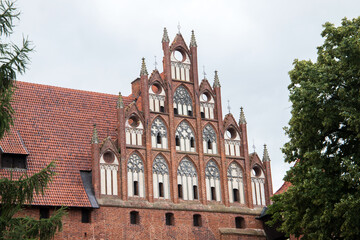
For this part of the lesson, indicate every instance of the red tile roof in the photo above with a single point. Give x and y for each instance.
(283, 188)
(56, 124)
(12, 143)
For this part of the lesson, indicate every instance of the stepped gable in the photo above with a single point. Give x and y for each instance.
(56, 124)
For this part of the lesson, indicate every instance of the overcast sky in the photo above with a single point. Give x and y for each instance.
(97, 45)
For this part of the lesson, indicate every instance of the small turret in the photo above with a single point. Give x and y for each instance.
(95, 138)
(165, 37)
(266, 157)
(120, 102)
(216, 80)
(193, 40)
(242, 119)
(143, 71)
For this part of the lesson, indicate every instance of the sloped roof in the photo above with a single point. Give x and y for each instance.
(56, 124)
(283, 188)
(12, 143)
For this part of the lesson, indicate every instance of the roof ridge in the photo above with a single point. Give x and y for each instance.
(72, 89)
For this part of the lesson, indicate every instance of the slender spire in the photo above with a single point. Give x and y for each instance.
(143, 71)
(120, 102)
(193, 40)
(216, 80)
(95, 138)
(242, 119)
(266, 157)
(165, 36)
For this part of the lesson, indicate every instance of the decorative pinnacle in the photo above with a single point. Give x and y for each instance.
(216, 80)
(143, 71)
(165, 36)
(95, 138)
(242, 119)
(266, 157)
(193, 40)
(120, 102)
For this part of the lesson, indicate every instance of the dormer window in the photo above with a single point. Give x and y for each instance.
(16, 161)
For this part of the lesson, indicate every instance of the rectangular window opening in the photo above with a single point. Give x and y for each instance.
(195, 191)
(236, 195)
(180, 192)
(44, 213)
(162, 109)
(213, 194)
(197, 220)
(136, 188)
(169, 219)
(85, 215)
(134, 217)
(202, 114)
(175, 111)
(161, 189)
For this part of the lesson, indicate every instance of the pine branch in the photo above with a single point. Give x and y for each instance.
(8, 14)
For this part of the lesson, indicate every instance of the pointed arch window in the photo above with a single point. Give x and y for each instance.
(109, 166)
(182, 102)
(184, 138)
(159, 134)
(235, 183)
(207, 105)
(134, 130)
(232, 142)
(212, 178)
(156, 98)
(135, 176)
(187, 180)
(180, 66)
(209, 140)
(161, 182)
(258, 186)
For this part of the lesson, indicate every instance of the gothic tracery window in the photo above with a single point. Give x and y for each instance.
(135, 176)
(182, 102)
(209, 140)
(185, 138)
(161, 183)
(212, 178)
(158, 134)
(187, 180)
(258, 186)
(235, 183)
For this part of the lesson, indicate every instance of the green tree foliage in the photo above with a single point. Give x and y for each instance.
(324, 199)
(13, 60)
(14, 195)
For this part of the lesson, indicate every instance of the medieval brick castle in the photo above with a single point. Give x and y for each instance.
(161, 163)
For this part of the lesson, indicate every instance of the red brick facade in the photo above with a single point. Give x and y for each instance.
(70, 145)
